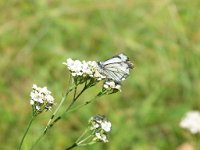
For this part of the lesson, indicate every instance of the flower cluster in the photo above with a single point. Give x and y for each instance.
(82, 70)
(191, 122)
(41, 99)
(111, 85)
(100, 127)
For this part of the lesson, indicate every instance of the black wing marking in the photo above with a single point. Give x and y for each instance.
(116, 59)
(117, 75)
(111, 75)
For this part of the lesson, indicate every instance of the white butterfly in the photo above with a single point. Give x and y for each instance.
(115, 68)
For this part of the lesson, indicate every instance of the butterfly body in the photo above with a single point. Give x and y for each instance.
(115, 68)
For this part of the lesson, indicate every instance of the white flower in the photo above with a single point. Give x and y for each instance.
(100, 128)
(93, 123)
(112, 85)
(37, 107)
(100, 122)
(32, 102)
(69, 62)
(83, 69)
(101, 137)
(74, 66)
(41, 98)
(106, 126)
(50, 99)
(191, 122)
(94, 126)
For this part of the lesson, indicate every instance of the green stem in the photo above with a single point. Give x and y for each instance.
(77, 141)
(29, 125)
(75, 144)
(80, 143)
(87, 143)
(76, 97)
(86, 102)
(55, 112)
(62, 101)
(71, 147)
(82, 105)
(69, 107)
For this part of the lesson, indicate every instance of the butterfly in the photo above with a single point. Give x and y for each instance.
(115, 68)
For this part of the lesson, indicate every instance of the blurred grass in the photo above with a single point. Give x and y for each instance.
(161, 37)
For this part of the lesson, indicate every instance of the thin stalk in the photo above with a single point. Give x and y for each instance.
(75, 90)
(79, 143)
(75, 144)
(87, 143)
(50, 121)
(69, 107)
(86, 102)
(76, 97)
(81, 135)
(71, 147)
(82, 105)
(55, 112)
(29, 125)
(62, 101)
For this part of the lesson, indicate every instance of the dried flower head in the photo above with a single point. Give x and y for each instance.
(41, 99)
(191, 122)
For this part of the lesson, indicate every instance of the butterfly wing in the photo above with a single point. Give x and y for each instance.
(117, 71)
(116, 68)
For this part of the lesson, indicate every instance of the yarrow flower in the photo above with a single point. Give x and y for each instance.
(100, 127)
(111, 85)
(41, 99)
(191, 122)
(101, 137)
(82, 70)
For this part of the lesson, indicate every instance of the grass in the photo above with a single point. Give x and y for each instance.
(161, 37)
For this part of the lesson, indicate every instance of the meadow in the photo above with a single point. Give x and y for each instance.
(161, 38)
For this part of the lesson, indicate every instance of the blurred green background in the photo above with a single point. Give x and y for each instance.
(160, 37)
